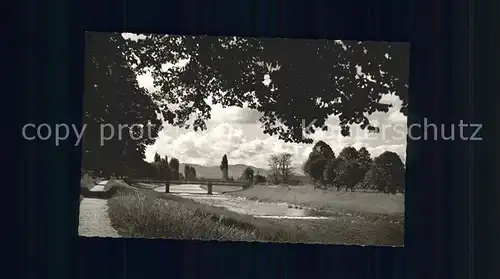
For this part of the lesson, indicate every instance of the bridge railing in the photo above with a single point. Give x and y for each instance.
(202, 182)
(209, 183)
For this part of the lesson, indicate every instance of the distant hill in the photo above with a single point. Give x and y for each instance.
(214, 172)
(235, 171)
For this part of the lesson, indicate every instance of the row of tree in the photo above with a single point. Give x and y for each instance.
(162, 168)
(355, 169)
(165, 169)
(280, 171)
(250, 177)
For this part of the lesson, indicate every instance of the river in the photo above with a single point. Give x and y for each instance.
(238, 204)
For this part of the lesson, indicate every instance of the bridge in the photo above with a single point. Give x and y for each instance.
(208, 183)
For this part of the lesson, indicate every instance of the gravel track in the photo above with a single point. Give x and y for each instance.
(94, 219)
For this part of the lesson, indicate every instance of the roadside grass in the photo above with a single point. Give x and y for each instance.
(149, 214)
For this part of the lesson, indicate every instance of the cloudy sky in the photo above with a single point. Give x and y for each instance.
(237, 132)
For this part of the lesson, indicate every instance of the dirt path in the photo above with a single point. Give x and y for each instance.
(94, 220)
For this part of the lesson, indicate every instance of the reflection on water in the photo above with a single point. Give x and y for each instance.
(249, 207)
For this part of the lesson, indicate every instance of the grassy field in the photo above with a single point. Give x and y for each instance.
(136, 213)
(142, 213)
(328, 200)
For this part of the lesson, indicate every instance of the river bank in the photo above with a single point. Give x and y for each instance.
(150, 214)
(323, 200)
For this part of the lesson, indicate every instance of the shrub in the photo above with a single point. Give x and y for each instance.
(259, 179)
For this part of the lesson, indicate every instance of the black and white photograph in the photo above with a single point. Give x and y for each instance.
(211, 138)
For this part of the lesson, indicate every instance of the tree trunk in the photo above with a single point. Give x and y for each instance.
(209, 188)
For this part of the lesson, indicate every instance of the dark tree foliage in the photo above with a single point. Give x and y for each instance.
(387, 174)
(193, 173)
(376, 179)
(310, 79)
(112, 96)
(248, 175)
(174, 168)
(314, 167)
(330, 171)
(258, 178)
(323, 149)
(315, 164)
(349, 174)
(224, 167)
(157, 157)
(186, 171)
(161, 170)
(189, 173)
(364, 159)
(144, 170)
(394, 172)
(349, 153)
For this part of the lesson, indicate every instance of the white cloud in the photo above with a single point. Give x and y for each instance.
(397, 117)
(231, 132)
(132, 36)
(243, 115)
(390, 99)
(146, 81)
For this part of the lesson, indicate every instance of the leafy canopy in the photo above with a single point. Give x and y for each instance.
(309, 80)
(113, 96)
